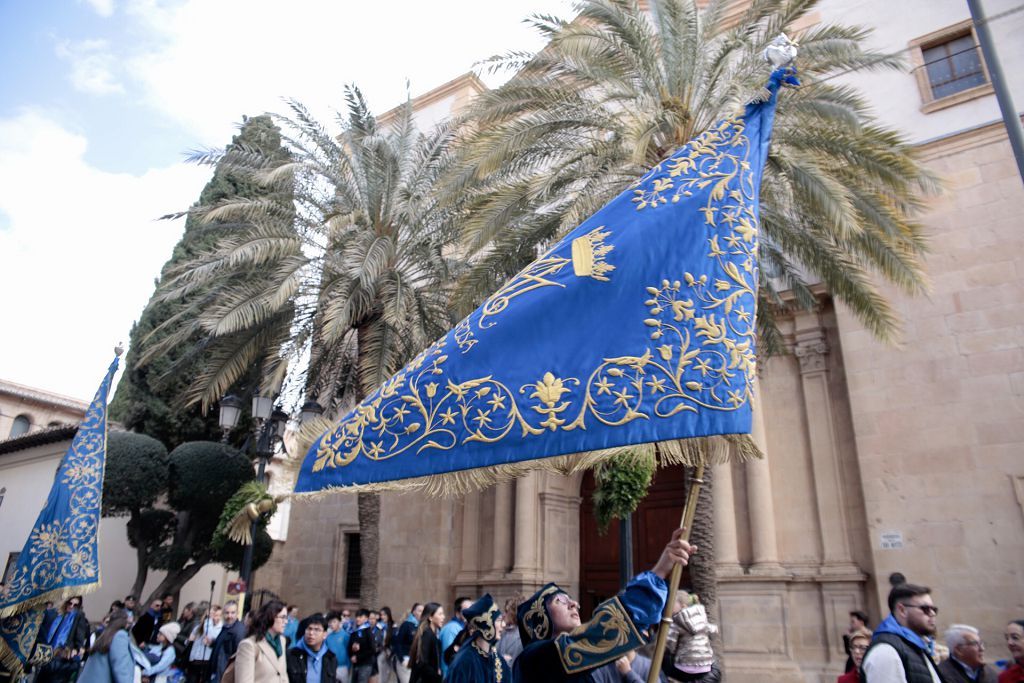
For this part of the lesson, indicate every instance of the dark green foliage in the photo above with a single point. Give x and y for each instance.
(135, 474)
(151, 398)
(173, 503)
(231, 555)
(622, 482)
(204, 475)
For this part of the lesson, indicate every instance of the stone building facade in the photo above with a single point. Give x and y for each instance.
(907, 457)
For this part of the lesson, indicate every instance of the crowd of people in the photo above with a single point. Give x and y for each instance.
(903, 648)
(530, 640)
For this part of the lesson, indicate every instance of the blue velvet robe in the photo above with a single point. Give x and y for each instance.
(614, 629)
(473, 666)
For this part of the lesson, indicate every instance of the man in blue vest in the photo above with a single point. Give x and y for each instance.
(899, 652)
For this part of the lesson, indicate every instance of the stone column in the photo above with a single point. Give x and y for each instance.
(468, 562)
(501, 562)
(812, 350)
(759, 496)
(525, 560)
(727, 560)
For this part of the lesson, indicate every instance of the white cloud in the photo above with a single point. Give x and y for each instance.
(212, 62)
(92, 66)
(80, 254)
(104, 8)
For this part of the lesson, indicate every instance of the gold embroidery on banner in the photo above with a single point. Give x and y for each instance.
(588, 259)
(608, 635)
(702, 332)
(63, 552)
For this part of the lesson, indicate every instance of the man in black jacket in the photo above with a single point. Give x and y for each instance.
(227, 641)
(311, 661)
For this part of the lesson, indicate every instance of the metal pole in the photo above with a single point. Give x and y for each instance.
(263, 453)
(625, 550)
(1011, 117)
(689, 512)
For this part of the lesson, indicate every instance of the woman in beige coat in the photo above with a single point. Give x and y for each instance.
(261, 656)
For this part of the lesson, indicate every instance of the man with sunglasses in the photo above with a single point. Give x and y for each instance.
(899, 652)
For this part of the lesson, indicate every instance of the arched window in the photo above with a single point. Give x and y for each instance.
(20, 426)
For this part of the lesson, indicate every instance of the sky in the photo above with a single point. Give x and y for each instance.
(100, 101)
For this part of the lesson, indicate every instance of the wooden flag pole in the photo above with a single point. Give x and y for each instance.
(689, 512)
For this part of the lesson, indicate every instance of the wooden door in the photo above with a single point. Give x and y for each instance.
(653, 522)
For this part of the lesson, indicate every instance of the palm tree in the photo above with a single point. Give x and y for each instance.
(619, 88)
(338, 271)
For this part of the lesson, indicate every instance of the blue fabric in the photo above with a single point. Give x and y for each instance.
(291, 629)
(163, 664)
(639, 326)
(890, 625)
(61, 553)
(337, 642)
(314, 661)
(449, 632)
(473, 666)
(63, 629)
(608, 635)
(116, 666)
(644, 597)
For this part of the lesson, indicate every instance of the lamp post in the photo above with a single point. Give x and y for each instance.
(269, 425)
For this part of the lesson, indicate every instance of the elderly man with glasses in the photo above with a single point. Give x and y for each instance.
(899, 652)
(966, 663)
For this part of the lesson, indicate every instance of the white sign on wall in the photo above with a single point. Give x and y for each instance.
(891, 540)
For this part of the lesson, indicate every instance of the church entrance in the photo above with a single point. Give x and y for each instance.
(653, 522)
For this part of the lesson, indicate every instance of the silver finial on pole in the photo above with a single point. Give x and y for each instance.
(119, 349)
(781, 52)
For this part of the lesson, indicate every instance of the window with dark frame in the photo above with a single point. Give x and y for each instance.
(353, 566)
(954, 65)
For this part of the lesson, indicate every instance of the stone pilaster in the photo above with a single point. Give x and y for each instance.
(764, 542)
(812, 350)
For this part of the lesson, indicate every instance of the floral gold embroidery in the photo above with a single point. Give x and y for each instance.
(702, 332)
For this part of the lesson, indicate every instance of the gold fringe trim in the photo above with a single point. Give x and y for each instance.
(709, 450)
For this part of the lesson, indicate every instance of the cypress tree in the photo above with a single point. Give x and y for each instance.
(151, 396)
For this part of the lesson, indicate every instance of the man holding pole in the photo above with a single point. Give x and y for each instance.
(559, 647)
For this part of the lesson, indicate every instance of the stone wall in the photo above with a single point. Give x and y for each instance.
(940, 422)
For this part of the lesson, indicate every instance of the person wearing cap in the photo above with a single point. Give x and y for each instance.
(478, 659)
(558, 647)
(162, 654)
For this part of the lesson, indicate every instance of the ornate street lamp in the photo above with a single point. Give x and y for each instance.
(268, 428)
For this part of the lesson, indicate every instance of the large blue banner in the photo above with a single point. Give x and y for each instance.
(639, 326)
(61, 556)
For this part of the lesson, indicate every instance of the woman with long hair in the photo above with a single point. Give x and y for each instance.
(261, 656)
(110, 658)
(425, 653)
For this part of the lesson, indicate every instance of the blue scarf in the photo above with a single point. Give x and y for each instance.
(314, 661)
(413, 620)
(890, 625)
(61, 629)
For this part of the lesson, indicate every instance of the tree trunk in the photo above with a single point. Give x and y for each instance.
(702, 564)
(369, 547)
(141, 556)
(176, 579)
